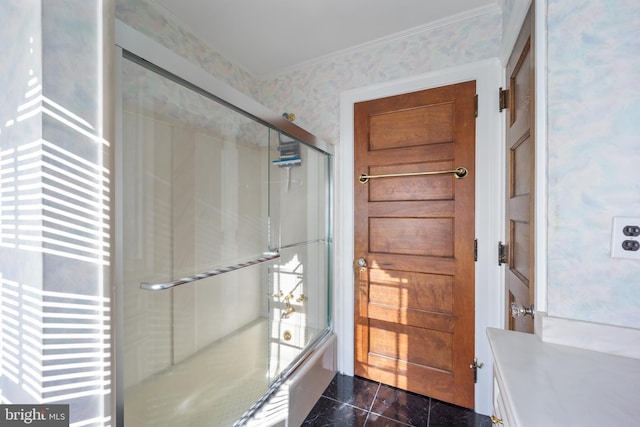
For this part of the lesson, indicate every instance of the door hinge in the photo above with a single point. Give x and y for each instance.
(475, 366)
(503, 98)
(475, 105)
(475, 250)
(503, 251)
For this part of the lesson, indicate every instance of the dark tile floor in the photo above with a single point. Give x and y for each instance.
(354, 401)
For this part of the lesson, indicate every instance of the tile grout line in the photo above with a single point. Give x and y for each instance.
(341, 402)
(374, 398)
(367, 411)
(344, 403)
(371, 405)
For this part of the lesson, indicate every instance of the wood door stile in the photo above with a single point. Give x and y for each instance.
(414, 302)
(520, 156)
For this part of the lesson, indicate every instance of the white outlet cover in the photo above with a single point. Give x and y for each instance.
(618, 237)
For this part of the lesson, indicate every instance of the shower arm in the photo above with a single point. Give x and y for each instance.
(266, 257)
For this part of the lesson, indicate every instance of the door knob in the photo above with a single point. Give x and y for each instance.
(361, 264)
(518, 310)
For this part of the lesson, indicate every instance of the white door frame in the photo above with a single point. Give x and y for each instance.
(489, 298)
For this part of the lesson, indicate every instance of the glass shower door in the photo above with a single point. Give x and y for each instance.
(225, 243)
(195, 201)
(299, 280)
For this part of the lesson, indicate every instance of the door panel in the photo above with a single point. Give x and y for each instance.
(419, 291)
(411, 236)
(520, 258)
(416, 345)
(430, 124)
(521, 161)
(520, 147)
(415, 298)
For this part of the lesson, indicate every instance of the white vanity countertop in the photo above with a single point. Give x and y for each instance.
(551, 385)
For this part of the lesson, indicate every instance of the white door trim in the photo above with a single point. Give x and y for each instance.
(489, 210)
(541, 123)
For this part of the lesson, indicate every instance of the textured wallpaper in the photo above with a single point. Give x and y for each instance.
(508, 9)
(154, 22)
(313, 93)
(594, 157)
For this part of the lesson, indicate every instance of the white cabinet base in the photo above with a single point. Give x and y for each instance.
(538, 384)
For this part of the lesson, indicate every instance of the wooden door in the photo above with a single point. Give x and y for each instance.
(414, 299)
(520, 141)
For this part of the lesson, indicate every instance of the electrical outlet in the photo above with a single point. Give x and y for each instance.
(625, 237)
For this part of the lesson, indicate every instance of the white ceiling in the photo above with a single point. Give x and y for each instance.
(268, 37)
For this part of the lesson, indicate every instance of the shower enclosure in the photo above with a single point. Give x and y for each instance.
(225, 248)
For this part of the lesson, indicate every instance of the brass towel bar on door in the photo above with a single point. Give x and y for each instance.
(459, 173)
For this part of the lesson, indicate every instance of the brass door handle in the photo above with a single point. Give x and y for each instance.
(496, 420)
(361, 264)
